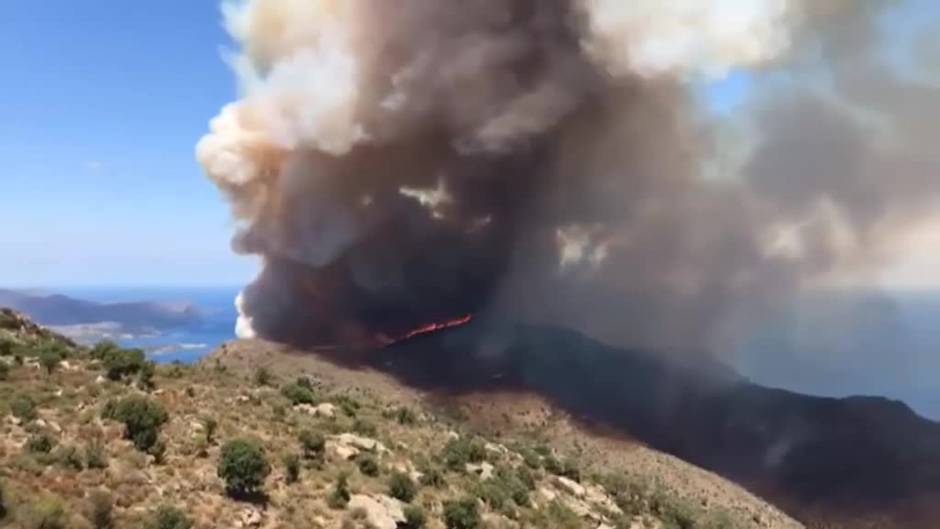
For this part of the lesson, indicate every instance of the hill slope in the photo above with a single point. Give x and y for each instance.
(66, 459)
(854, 462)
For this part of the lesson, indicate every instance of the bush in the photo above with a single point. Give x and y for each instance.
(414, 517)
(526, 477)
(461, 514)
(70, 458)
(101, 349)
(145, 376)
(401, 486)
(210, 425)
(96, 456)
(168, 517)
(291, 468)
(4, 510)
(432, 477)
(23, 408)
(4, 371)
(313, 444)
(458, 452)
(562, 517)
(349, 405)
(674, 513)
(298, 394)
(504, 486)
(368, 465)
(46, 514)
(142, 420)
(567, 468)
(40, 443)
(406, 416)
(101, 509)
(158, 451)
(243, 466)
(7, 347)
(339, 497)
(262, 377)
(119, 363)
(531, 458)
(50, 355)
(364, 427)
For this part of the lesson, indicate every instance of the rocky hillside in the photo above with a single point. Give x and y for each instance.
(258, 437)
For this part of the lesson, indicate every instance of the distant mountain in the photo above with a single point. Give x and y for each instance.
(59, 310)
(832, 462)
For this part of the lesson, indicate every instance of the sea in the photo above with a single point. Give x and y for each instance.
(187, 344)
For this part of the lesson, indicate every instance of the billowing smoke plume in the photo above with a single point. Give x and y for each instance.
(398, 163)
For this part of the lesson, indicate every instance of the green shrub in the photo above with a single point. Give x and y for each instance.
(46, 514)
(498, 490)
(50, 355)
(717, 520)
(158, 451)
(560, 516)
(243, 466)
(101, 510)
(401, 486)
(298, 394)
(96, 456)
(526, 477)
(368, 465)
(414, 517)
(41, 443)
(119, 363)
(23, 408)
(531, 458)
(7, 347)
(291, 468)
(69, 457)
(4, 371)
(432, 477)
(349, 405)
(406, 416)
(458, 452)
(4, 510)
(210, 425)
(142, 420)
(312, 443)
(567, 468)
(262, 376)
(145, 376)
(674, 513)
(168, 517)
(364, 427)
(101, 349)
(461, 514)
(339, 496)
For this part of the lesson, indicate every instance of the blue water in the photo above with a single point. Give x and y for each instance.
(187, 344)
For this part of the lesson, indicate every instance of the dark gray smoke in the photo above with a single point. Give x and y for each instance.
(545, 160)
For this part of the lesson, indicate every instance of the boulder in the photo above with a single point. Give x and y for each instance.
(249, 518)
(362, 443)
(381, 511)
(484, 470)
(571, 487)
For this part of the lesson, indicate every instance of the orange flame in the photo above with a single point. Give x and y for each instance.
(429, 328)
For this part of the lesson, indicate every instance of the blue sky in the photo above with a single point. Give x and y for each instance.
(101, 103)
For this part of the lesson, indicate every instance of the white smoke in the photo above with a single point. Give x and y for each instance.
(686, 38)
